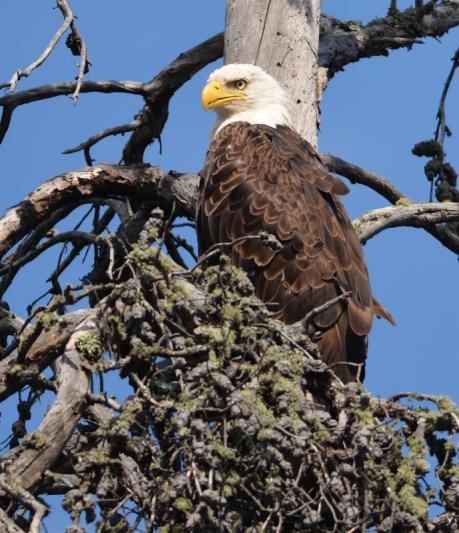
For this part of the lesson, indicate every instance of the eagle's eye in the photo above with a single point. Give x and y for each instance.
(241, 84)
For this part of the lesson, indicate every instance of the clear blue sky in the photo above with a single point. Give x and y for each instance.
(372, 114)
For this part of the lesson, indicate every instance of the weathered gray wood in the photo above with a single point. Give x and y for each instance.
(104, 181)
(413, 215)
(47, 347)
(343, 42)
(46, 443)
(7, 525)
(282, 37)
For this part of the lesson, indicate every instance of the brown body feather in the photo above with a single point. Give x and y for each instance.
(259, 178)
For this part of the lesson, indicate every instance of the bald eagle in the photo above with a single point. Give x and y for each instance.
(262, 176)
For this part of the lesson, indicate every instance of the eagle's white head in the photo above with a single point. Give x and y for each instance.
(246, 93)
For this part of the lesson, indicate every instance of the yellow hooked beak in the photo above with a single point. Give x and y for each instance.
(215, 94)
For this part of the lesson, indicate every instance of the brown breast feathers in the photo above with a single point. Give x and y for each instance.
(262, 179)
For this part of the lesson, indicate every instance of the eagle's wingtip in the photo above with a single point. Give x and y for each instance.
(382, 312)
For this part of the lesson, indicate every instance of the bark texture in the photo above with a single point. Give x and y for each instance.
(42, 447)
(345, 42)
(282, 37)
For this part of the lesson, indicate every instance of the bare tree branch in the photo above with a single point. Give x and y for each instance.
(360, 175)
(11, 101)
(23, 73)
(342, 43)
(20, 494)
(10, 324)
(31, 242)
(160, 90)
(75, 237)
(107, 181)
(52, 90)
(7, 524)
(48, 346)
(389, 191)
(321, 308)
(415, 215)
(443, 180)
(5, 121)
(46, 443)
(94, 139)
(78, 47)
(63, 264)
(447, 237)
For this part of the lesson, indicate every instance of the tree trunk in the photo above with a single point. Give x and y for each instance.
(282, 37)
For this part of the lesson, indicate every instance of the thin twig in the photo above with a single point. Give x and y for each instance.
(144, 389)
(265, 237)
(83, 59)
(74, 236)
(23, 73)
(105, 400)
(440, 131)
(77, 247)
(30, 242)
(94, 139)
(40, 510)
(321, 308)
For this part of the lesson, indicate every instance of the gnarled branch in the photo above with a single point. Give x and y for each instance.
(419, 215)
(106, 181)
(342, 43)
(7, 525)
(43, 351)
(109, 181)
(160, 90)
(23, 73)
(46, 443)
(388, 190)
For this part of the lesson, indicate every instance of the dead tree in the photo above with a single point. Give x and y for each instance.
(233, 422)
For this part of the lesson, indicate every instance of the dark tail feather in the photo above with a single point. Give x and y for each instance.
(344, 351)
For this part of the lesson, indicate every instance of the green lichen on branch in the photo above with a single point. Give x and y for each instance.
(235, 428)
(35, 440)
(231, 424)
(89, 344)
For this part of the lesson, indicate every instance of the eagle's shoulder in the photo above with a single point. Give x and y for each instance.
(271, 151)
